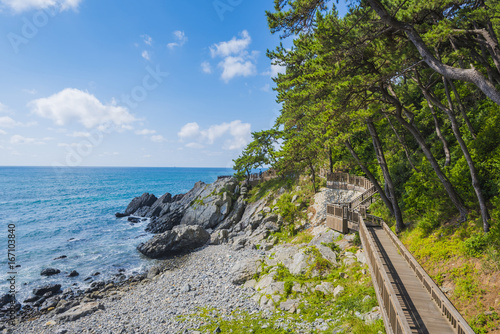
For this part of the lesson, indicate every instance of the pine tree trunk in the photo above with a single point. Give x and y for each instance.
(413, 130)
(440, 134)
(472, 169)
(370, 176)
(387, 176)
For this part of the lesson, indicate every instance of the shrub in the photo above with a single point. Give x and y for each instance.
(475, 245)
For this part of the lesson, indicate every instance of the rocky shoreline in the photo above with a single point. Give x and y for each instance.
(213, 246)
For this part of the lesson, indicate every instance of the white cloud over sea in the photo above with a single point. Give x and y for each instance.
(235, 135)
(73, 105)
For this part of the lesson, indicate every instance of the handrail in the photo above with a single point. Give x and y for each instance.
(458, 323)
(345, 217)
(394, 318)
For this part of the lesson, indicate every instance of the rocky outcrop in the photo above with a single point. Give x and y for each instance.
(49, 272)
(52, 288)
(180, 239)
(138, 203)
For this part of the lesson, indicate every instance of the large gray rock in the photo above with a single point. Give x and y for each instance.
(244, 270)
(145, 199)
(180, 239)
(219, 237)
(234, 215)
(49, 272)
(299, 264)
(80, 311)
(168, 212)
(52, 288)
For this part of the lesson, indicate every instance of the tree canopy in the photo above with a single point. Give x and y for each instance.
(405, 92)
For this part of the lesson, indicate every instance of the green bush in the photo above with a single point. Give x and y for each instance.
(357, 240)
(475, 245)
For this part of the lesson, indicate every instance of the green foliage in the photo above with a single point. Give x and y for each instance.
(482, 323)
(357, 240)
(259, 152)
(476, 245)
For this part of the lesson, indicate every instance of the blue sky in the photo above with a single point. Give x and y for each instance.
(133, 83)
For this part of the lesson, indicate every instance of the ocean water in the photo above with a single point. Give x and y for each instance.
(71, 212)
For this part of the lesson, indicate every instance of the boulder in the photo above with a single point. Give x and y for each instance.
(134, 220)
(180, 239)
(80, 311)
(166, 222)
(325, 287)
(49, 272)
(290, 305)
(219, 237)
(6, 299)
(244, 270)
(145, 199)
(360, 256)
(53, 288)
(73, 273)
(338, 290)
(299, 264)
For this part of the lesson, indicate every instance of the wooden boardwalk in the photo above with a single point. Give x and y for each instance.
(421, 312)
(410, 300)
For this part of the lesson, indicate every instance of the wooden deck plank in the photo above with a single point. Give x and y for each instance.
(422, 313)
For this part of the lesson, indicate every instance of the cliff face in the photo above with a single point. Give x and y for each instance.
(219, 208)
(206, 205)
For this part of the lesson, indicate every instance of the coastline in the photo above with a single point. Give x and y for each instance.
(235, 270)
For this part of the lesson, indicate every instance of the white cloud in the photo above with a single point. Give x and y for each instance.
(4, 109)
(236, 59)
(236, 66)
(18, 139)
(75, 105)
(145, 132)
(232, 47)
(189, 130)
(158, 139)
(147, 156)
(2, 132)
(24, 5)
(147, 39)
(237, 134)
(195, 145)
(79, 134)
(30, 91)
(145, 54)
(274, 70)
(206, 68)
(8, 122)
(180, 38)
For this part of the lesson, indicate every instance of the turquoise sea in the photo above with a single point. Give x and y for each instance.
(70, 212)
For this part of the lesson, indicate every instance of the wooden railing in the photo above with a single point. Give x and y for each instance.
(392, 312)
(447, 309)
(347, 181)
(343, 218)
